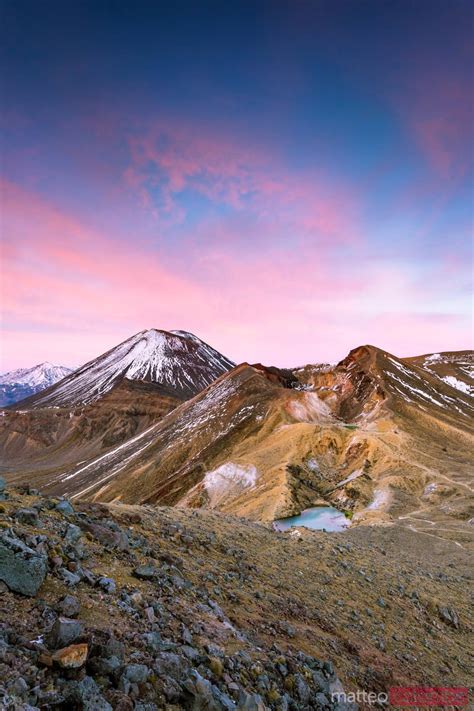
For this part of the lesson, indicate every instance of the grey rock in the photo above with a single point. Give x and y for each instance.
(320, 681)
(19, 687)
(152, 641)
(449, 616)
(87, 696)
(111, 539)
(224, 701)
(71, 579)
(64, 507)
(201, 695)
(288, 629)
(105, 666)
(250, 702)
(21, 568)
(321, 699)
(302, 689)
(186, 636)
(27, 516)
(192, 654)
(88, 576)
(73, 533)
(136, 673)
(107, 584)
(328, 668)
(335, 688)
(63, 632)
(170, 664)
(145, 572)
(283, 703)
(149, 614)
(69, 606)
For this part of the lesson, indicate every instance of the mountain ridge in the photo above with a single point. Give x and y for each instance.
(16, 385)
(374, 435)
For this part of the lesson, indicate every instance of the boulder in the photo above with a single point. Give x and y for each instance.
(64, 507)
(71, 579)
(21, 568)
(133, 674)
(72, 657)
(63, 633)
(107, 584)
(85, 695)
(73, 533)
(250, 702)
(200, 694)
(69, 606)
(111, 539)
(449, 616)
(136, 673)
(27, 516)
(145, 572)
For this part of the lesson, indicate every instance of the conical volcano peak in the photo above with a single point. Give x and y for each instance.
(185, 364)
(187, 335)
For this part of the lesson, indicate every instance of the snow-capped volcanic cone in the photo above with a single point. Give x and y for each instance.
(178, 361)
(19, 384)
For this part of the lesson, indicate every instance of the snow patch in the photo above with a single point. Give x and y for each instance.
(458, 384)
(433, 358)
(228, 479)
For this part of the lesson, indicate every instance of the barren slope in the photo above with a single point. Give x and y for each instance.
(172, 593)
(374, 435)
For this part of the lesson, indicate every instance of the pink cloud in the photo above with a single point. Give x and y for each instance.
(170, 157)
(437, 107)
(70, 292)
(58, 269)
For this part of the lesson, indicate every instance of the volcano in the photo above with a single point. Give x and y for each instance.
(175, 360)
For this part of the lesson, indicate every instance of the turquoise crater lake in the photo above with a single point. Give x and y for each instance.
(317, 518)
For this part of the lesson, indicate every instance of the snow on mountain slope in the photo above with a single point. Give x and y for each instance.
(166, 454)
(177, 360)
(374, 429)
(24, 382)
(455, 368)
(43, 375)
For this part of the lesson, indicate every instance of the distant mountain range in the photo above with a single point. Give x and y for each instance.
(19, 384)
(164, 418)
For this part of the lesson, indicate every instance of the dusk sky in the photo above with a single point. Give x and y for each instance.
(287, 180)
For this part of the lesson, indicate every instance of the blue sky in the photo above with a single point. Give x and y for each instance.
(287, 180)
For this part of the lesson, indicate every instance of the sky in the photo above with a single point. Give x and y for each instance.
(287, 180)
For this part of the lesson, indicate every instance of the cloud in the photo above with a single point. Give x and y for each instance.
(435, 104)
(171, 159)
(69, 292)
(58, 271)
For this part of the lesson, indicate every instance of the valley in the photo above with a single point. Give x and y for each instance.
(164, 500)
(164, 419)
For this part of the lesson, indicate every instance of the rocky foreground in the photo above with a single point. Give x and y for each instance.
(121, 607)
